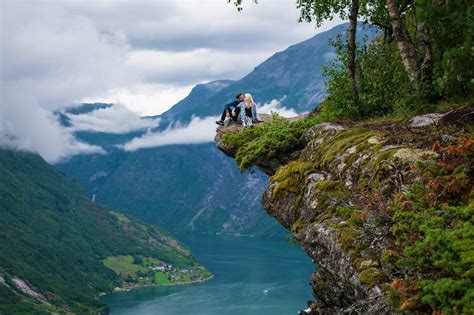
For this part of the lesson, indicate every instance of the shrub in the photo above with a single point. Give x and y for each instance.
(434, 234)
(383, 83)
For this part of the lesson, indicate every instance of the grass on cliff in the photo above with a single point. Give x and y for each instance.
(268, 140)
(279, 137)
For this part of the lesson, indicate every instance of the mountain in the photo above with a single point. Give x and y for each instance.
(193, 187)
(180, 188)
(58, 250)
(87, 108)
(192, 103)
(293, 76)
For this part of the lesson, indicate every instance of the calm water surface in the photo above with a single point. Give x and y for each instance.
(251, 276)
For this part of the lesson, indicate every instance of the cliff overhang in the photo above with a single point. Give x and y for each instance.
(320, 185)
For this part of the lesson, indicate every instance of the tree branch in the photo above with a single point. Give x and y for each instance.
(381, 25)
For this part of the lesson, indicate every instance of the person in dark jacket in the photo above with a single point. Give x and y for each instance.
(228, 109)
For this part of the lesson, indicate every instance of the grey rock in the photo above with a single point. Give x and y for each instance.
(425, 120)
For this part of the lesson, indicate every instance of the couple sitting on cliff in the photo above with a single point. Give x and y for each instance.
(243, 111)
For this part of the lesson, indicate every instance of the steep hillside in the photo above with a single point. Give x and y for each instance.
(180, 188)
(54, 244)
(384, 209)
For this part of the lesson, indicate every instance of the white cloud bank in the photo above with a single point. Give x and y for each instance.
(199, 130)
(147, 99)
(114, 119)
(51, 58)
(32, 128)
(143, 54)
(275, 107)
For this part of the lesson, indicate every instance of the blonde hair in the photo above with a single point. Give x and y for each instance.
(248, 100)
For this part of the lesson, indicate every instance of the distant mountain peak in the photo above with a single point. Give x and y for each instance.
(216, 84)
(85, 108)
(194, 100)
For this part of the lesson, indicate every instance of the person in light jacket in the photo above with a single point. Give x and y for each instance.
(247, 111)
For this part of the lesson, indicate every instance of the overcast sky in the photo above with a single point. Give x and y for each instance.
(143, 54)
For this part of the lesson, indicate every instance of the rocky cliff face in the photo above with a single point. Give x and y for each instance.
(318, 192)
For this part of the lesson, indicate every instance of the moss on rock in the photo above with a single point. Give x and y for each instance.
(348, 236)
(331, 151)
(372, 276)
(291, 176)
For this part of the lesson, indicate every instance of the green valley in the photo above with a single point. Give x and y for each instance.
(58, 251)
(137, 271)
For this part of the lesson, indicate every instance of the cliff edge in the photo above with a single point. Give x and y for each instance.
(367, 201)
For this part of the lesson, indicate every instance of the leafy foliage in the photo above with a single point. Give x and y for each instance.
(451, 33)
(433, 38)
(13, 303)
(434, 235)
(437, 38)
(384, 89)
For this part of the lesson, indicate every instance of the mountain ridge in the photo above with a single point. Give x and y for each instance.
(199, 93)
(283, 76)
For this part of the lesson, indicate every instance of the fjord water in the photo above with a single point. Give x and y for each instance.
(251, 276)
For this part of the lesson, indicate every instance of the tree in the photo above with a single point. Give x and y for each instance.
(433, 37)
(319, 11)
(404, 42)
(351, 50)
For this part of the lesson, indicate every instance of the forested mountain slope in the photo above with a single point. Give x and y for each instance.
(53, 241)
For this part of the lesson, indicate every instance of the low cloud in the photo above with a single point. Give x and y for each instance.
(144, 98)
(51, 58)
(275, 107)
(136, 53)
(199, 130)
(114, 119)
(35, 129)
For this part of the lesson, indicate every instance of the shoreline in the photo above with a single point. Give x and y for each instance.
(138, 286)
